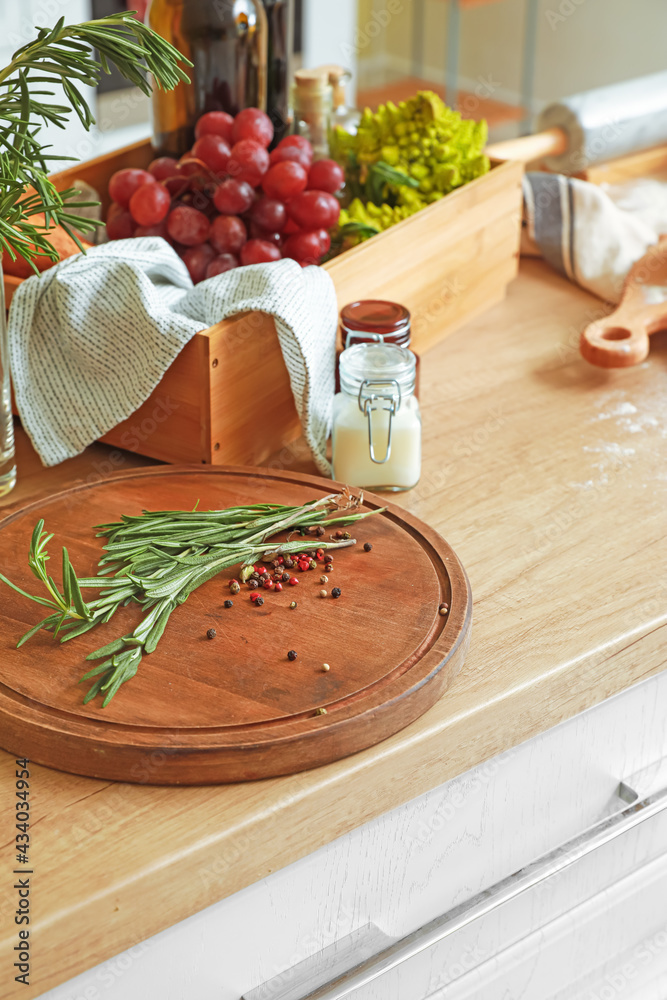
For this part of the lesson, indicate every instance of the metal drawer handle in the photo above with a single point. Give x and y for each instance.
(304, 981)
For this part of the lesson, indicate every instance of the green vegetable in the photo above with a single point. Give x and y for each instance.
(404, 158)
(63, 56)
(156, 560)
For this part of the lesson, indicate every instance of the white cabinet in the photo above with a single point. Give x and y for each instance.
(430, 858)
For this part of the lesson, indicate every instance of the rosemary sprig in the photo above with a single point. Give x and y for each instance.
(156, 560)
(62, 57)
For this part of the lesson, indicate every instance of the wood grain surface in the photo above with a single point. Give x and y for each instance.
(547, 476)
(234, 708)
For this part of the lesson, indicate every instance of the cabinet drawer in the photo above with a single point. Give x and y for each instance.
(408, 867)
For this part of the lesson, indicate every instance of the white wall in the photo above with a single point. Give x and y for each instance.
(329, 29)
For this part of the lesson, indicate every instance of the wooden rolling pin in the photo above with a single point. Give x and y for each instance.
(594, 127)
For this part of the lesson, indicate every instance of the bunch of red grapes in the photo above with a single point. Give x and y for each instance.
(228, 201)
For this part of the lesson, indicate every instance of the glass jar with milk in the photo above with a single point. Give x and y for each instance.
(376, 422)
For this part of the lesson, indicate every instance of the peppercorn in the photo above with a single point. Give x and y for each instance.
(319, 554)
(253, 584)
(235, 587)
(285, 577)
(254, 576)
(329, 567)
(268, 585)
(312, 564)
(259, 601)
(293, 581)
(320, 531)
(321, 711)
(323, 593)
(254, 598)
(278, 586)
(303, 565)
(338, 534)
(367, 546)
(325, 667)
(293, 605)
(443, 609)
(211, 634)
(288, 562)
(291, 655)
(324, 579)
(229, 604)
(346, 536)
(336, 592)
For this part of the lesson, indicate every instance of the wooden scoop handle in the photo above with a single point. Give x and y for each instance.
(609, 343)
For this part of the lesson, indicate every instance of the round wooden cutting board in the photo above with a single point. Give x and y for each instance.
(234, 708)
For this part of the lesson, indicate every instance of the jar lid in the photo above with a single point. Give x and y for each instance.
(377, 363)
(375, 316)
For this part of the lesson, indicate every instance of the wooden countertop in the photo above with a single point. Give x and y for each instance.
(549, 479)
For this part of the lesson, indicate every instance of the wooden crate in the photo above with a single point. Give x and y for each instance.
(447, 264)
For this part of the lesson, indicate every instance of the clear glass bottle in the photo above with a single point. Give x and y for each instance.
(342, 114)
(227, 40)
(312, 102)
(376, 421)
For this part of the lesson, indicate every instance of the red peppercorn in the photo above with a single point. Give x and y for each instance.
(279, 586)
(293, 582)
(320, 554)
(281, 559)
(268, 585)
(303, 565)
(254, 598)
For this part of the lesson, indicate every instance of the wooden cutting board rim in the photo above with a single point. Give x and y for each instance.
(440, 643)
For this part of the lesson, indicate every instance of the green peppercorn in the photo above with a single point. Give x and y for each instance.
(329, 567)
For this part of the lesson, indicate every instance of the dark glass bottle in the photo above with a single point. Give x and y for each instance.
(280, 17)
(227, 40)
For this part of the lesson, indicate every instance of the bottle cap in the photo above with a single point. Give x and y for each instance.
(376, 364)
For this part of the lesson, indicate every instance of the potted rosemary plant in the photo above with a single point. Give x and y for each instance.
(62, 58)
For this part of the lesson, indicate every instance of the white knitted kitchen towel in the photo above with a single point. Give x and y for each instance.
(91, 338)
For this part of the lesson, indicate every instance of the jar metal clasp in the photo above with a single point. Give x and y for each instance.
(367, 407)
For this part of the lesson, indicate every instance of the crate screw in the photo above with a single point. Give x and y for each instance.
(214, 363)
(216, 446)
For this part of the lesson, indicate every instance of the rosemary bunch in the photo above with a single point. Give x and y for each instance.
(156, 560)
(63, 56)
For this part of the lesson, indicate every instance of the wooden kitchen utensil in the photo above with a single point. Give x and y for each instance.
(202, 711)
(622, 338)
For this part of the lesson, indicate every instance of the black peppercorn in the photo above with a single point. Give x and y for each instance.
(254, 575)
(288, 562)
(253, 584)
(291, 655)
(285, 578)
(229, 604)
(336, 592)
(367, 546)
(259, 602)
(211, 634)
(320, 531)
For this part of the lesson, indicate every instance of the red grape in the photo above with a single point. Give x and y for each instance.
(223, 262)
(149, 204)
(120, 224)
(163, 167)
(249, 162)
(257, 233)
(228, 234)
(285, 180)
(215, 123)
(282, 153)
(314, 210)
(187, 225)
(304, 247)
(325, 240)
(213, 150)
(251, 123)
(124, 183)
(326, 175)
(158, 230)
(259, 252)
(269, 214)
(291, 227)
(197, 259)
(299, 142)
(233, 197)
